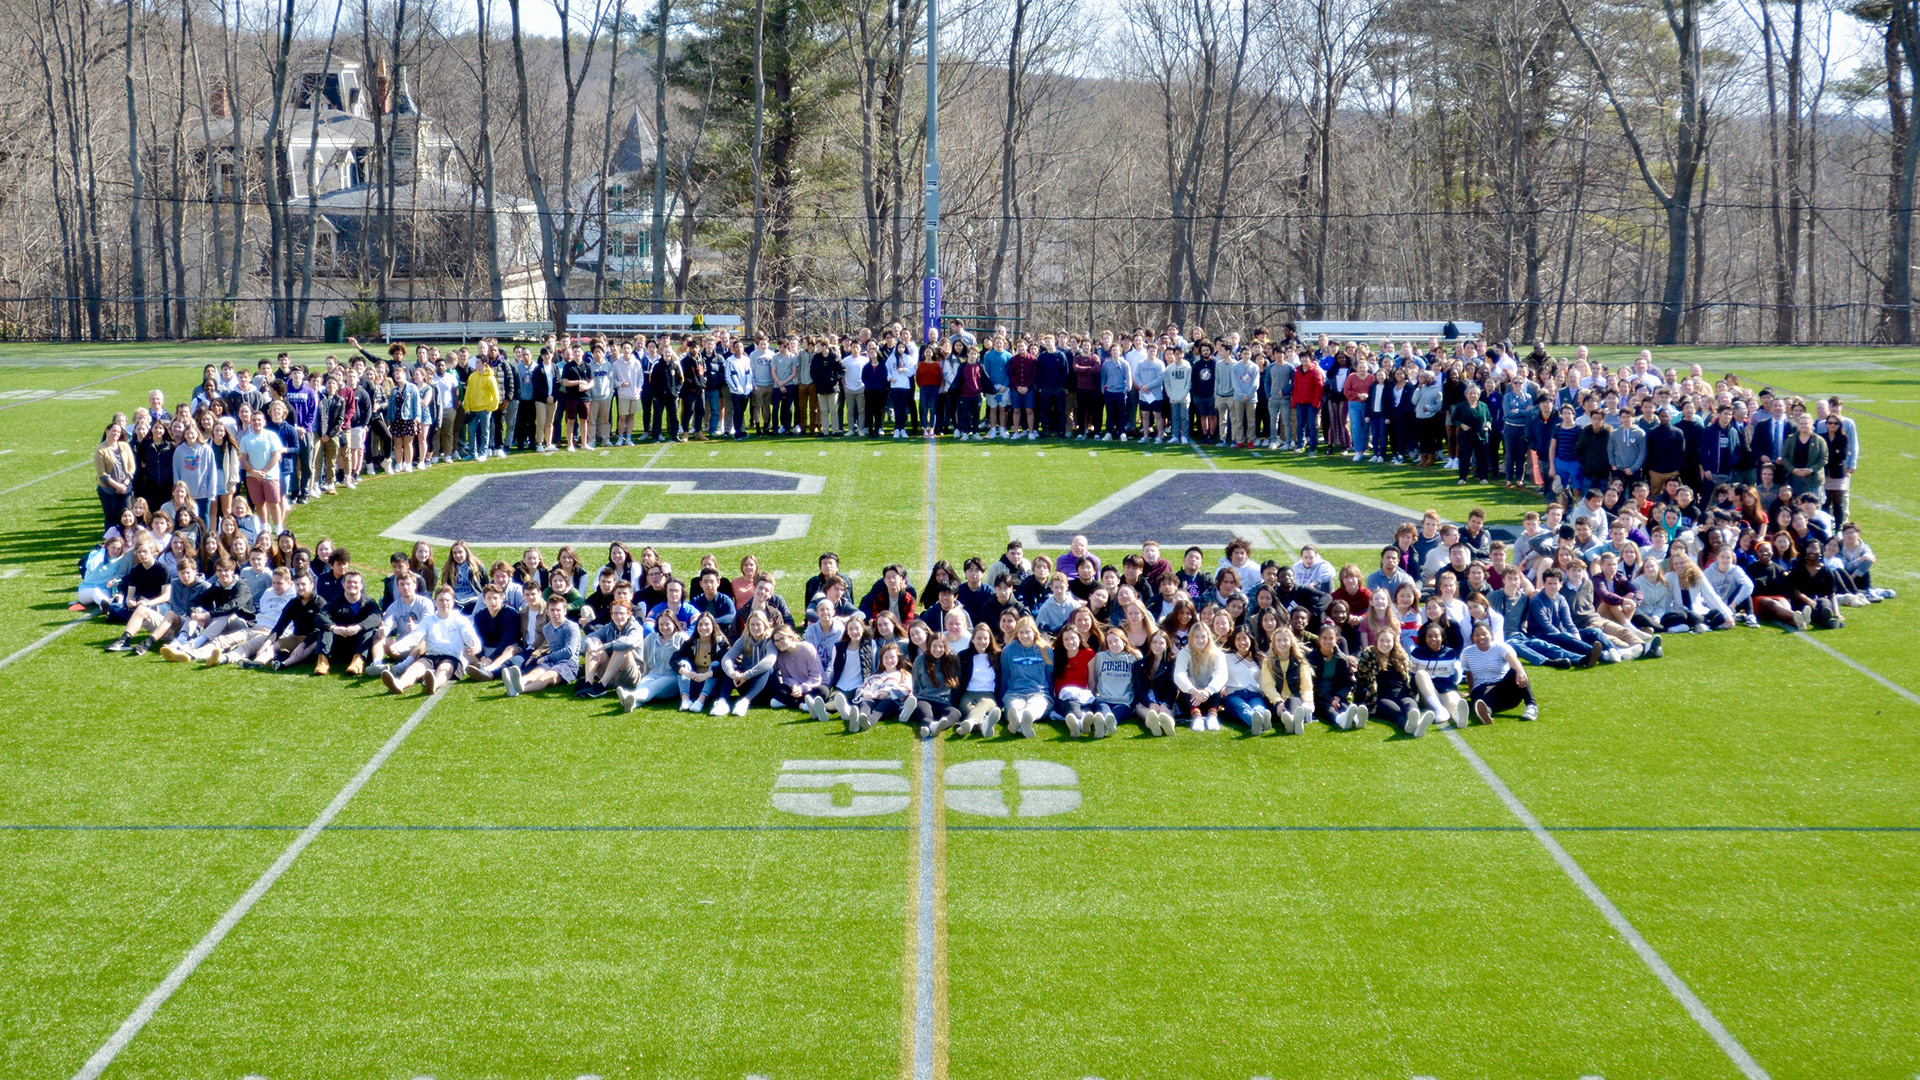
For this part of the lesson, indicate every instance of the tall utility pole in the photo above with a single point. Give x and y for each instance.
(930, 291)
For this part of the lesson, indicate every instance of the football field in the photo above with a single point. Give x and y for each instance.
(1705, 866)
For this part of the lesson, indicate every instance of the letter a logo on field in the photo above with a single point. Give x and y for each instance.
(1178, 507)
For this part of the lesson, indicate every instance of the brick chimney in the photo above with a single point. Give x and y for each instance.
(217, 104)
(382, 87)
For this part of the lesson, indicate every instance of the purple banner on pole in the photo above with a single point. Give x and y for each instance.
(930, 308)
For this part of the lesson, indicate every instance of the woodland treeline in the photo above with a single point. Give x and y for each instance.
(1622, 170)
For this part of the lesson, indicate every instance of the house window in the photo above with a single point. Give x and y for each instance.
(226, 185)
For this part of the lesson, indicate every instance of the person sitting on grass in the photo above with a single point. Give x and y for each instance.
(655, 664)
(610, 651)
(348, 627)
(1286, 680)
(557, 658)
(443, 645)
(1026, 677)
(1200, 673)
(1497, 681)
(747, 667)
(399, 624)
(1383, 688)
(936, 682)
(224, 607)
(498, 624)
(142, 600)
(884, 695)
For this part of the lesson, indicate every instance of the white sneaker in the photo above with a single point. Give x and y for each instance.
(817, 708)
(720, 708)
(511, 676)
(686, 703)
(740, 707)
(987, 723)
(1418, 725)
(1031, 435)
(1262, 721)
(1213, 722)
(1198, 723)
(1300, 717)
(1457, 713)
(1074, 724)
(629, 700)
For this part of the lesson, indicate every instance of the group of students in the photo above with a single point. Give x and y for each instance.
(1661, 524)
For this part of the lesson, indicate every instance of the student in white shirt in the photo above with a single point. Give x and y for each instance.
(443, 645)
(1497, 680)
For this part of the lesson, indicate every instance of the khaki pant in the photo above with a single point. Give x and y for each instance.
(600, 415)
(828, 406)
(542, 422)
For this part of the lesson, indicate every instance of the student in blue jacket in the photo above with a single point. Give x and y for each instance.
(1026, 678)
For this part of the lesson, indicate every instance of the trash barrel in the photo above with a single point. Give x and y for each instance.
(333, 329)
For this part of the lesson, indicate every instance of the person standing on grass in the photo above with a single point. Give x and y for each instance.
(113, 470)
(576, 383)
(261, 454)
(1473, 431)
(481, 401)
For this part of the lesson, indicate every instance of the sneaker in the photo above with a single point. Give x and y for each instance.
(1803, 619)
(322, 665)
(721, 708)
(1298, 719)
(378, 667)
(1032, 435)
(430, 683)
(123, 643)
(141, 648)
(511, 676)
(1213, 721)
(1261, 721)
(1654, 649)
(991, 720)
(1531, 712)
(598, 690)
(1560, 663)
(1197, 722)
(1482, 712)
(740, 706)
(1417, 726)
(629, 700)
(1073, 722)
(1457, 713)
(175, 653)
(393, 685)
(1594, 656)
(817, 708)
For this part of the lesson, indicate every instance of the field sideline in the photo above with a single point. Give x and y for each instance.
(1699, 867)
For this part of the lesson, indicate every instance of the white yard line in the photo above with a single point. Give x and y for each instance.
(926, 958)
(82, 386)
(1911, 697)
(130, 1028)
(29, 650)
(49, 476)
(1615, 918)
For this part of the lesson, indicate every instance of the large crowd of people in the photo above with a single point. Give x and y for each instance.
(1671, 504)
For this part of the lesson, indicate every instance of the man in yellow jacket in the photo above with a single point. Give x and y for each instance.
(481, 399)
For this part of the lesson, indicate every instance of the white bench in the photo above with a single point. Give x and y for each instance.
(1397, 330)
(633, 324)
(464, 331)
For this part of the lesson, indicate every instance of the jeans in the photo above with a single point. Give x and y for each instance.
(929, 406)
(1241, 703)
(968, 416)
(900, 404)
(755, 688)
(784, 398)
(1574, 645)
(739, 414)
(509, 415)
(1308, 420)
(655, 684)
(1182, 419)
(717, 412)
(1516, 448)
(700, 692)
(1357, 423)
(1378, 426)
(1116, 406)
(479, 439)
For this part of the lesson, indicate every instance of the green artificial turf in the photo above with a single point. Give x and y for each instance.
(550, 888)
